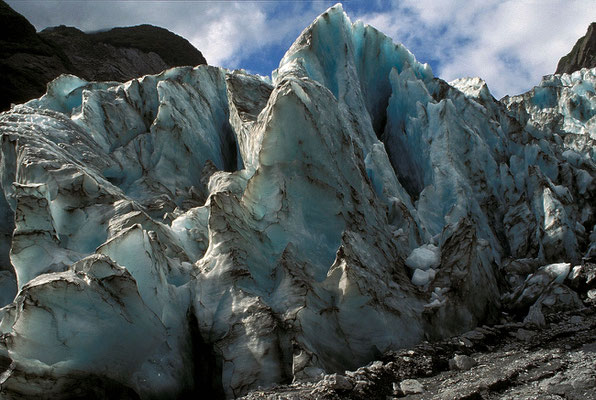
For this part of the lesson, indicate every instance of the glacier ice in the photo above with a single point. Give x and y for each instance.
(424, 257)
(211, 231)
(422, 277)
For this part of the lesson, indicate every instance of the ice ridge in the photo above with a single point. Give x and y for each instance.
(211, 231)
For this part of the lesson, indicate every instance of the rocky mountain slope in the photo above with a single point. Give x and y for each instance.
(29, 60)
(583, 54)
(206, 232)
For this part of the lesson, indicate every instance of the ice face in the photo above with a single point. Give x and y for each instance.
(92, 319)
(424, 257)
(202, 231)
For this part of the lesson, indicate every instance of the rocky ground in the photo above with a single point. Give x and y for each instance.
(512, 360)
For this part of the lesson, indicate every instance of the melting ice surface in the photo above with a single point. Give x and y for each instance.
(207, 231)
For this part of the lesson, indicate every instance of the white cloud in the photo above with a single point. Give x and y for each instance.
(235, 32)
(510, 44)
(226, 36)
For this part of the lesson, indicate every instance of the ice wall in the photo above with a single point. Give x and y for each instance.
(210, 231)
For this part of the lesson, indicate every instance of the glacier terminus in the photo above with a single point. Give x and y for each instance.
(211, 231)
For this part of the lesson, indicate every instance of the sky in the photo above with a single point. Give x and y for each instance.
(511, 44)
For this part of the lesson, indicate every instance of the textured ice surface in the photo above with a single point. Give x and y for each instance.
(424, 257)
(557, 271)
(203, 231)
(422, 277)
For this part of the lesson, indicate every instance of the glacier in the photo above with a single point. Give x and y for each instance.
(212, 231)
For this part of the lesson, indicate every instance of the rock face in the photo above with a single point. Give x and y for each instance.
(30, 60)
(583, 54)
(202, 230)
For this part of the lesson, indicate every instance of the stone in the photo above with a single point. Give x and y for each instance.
(360, 386)
(535, 316)
(576, 319)
(583, 277)
(465, 342)
(462, 363)
(338, 382)
(525, 335)
(473, 335)
(411, 386)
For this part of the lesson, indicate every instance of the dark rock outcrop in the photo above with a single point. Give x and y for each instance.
(583, 54)
(173, 49)
(29, 60)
